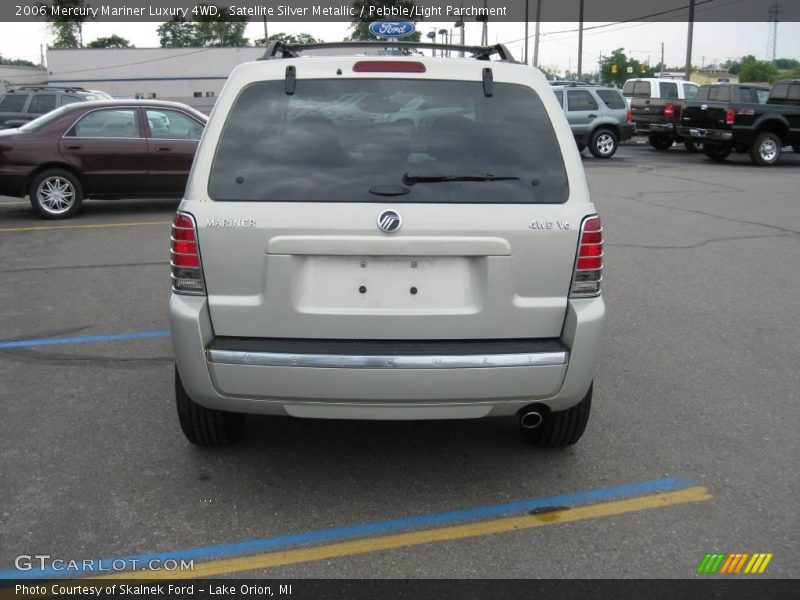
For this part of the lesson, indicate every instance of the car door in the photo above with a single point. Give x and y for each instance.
(582, 110)
(172, 138)
(107, 149)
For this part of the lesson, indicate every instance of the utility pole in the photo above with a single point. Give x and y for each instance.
(662, 60)
(266, 34)
(485, 31)
(689, 41)
(580, 43)
(536, 41)
(525, 60)
(772, 19)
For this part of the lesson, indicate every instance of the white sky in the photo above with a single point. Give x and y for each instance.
(713, 42)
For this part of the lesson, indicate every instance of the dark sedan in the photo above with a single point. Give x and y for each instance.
(106, 149)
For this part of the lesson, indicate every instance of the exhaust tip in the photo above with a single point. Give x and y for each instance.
(531, 419)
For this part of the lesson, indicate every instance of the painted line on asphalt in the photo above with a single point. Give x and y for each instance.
(429, 536)
(373, 530)
(87, 226)
(83, 339)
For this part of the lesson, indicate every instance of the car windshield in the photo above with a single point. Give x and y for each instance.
(44, 120)
(358, 139)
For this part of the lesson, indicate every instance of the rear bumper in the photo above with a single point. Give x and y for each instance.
(701, 133)
(626, 132)
(648, 128)
(251, 377)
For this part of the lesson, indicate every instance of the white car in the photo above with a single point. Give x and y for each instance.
(337, 269)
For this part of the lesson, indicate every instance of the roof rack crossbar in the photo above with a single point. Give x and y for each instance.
(276, 50)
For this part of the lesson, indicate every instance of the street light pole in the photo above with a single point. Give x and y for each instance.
(527, 2)
(536, 41)
(580, 43)
(689, 41)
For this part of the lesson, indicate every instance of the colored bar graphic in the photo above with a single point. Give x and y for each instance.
(733, 563)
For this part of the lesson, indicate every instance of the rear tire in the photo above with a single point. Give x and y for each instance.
(205, 426)
(796, 148)
(766, 150)
(561, 428)
(56, 194)
(581, 146)
(603, 143)
(716, 153)
(692, 146)
(659, 141)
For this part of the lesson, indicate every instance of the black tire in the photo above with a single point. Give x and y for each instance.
(796, 148)
(693, 146)
(603, 143)
(660, 141)
(766, 150)
(581, 146)
(205, 426)
(561, 428)
(56, 194)
(717, 153)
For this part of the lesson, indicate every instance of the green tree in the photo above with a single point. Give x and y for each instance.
(224, 29)
(614, 68)
(787, 63)
(112, 41)
(68, 30)
(758, 71)
(16, 62)
(289, 38)
(360, 26)
(176, 33)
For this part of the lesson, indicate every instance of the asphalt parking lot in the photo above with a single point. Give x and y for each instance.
(696, 403)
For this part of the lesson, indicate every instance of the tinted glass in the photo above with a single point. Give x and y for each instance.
(689, 91)
(641, 89)
(669, 90)
(580, 100)
(780, 91)
(42, 103)
(763, 96)
(13, 102)
(611, 98)
(69, 100)
(627, 89)
(560, 98)
(702, 93)
(794, 92)
(113, 123)
(172, 125)
(357, 140)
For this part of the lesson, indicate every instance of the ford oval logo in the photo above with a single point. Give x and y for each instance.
(391, 29)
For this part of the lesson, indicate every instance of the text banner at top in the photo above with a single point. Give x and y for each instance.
(595, 11)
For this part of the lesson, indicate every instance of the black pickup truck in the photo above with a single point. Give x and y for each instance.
(726, 125)
(659, 118)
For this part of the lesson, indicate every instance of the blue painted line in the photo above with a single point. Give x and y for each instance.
(257, 546)
(83, 339)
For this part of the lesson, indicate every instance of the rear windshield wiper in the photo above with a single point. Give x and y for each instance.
(411, 179)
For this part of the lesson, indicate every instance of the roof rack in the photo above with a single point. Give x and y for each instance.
(276, 50)
(35, 88)
(569, 83)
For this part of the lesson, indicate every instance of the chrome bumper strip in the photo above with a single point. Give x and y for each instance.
(341, 361)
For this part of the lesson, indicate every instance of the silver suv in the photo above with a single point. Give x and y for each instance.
(598, 116)
(373, 264)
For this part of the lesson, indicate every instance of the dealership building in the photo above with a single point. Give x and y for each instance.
(193, 76)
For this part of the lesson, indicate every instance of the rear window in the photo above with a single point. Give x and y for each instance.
(669, 90)
(13, 102)
(611, 98)
(375, 140)
(720, 94)
(689, 91)
(780, 91)
(702, 93)
(637, 89)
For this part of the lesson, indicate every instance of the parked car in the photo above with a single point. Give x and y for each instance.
(102, 149)
(654, 87)
(598, 117)
(23, 104)
(331, 269)
(760, 129)
(659, 118)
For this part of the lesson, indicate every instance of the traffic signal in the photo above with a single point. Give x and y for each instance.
(614, 69)
(644, 69)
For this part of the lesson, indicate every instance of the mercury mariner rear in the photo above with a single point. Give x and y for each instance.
(386, 237)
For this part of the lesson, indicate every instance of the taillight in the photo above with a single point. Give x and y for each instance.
(388, 66)
(589, 264)
(187, 268)
(669, 110)
(730, 116)
(629, 116)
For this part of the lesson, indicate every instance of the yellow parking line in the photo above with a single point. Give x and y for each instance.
(89, 226)
(416, 538)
